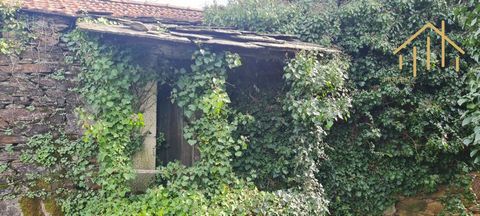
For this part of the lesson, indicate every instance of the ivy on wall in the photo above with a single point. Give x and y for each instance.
(105, 83)
(315, 98)
(402, 131)
(109, 119)
(14, 33)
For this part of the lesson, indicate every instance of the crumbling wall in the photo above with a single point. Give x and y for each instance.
(35, 93)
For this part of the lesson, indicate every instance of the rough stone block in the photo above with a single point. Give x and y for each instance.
(61, 102)
(6, 98)
(4, 77)
(15, 115)
(56, 93)
(3, 124)
(11, 140)
(9, 156)
(45, 81)
(28, 56)
(43, 101)
(39, 128)
(21, 100)
(7, 88)
(72, 126)
(5, 60)
(49, 40)
(14, 106)
(26, 68)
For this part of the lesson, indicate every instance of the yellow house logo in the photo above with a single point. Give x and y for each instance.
(444, 39)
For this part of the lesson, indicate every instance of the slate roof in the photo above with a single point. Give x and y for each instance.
(190, 36)
(113, 8)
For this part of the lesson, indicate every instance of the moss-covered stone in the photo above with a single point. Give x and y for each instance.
(3, 186)
(52, 208)
(30, 206)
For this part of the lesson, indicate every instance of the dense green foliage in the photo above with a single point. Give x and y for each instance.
(288, 124)
(405, 134)
(470, 16)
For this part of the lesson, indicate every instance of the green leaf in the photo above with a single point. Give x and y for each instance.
(192, 142)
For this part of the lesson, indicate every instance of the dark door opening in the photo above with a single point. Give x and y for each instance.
(170, 122)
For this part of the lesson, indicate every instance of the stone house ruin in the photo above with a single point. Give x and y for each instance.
(35, 87)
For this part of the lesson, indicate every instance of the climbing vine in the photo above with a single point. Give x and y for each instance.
(202, 95)
(109, 118)
(106, 84)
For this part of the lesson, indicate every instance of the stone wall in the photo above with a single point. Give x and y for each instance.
(35, 93)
